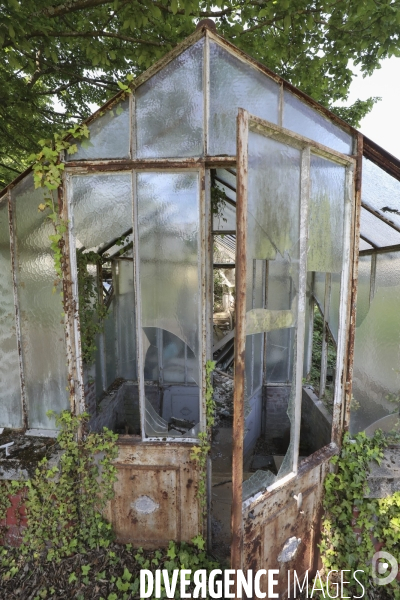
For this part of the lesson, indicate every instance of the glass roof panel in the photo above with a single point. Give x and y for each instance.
(364, 245)
(302, 119)
(170, 107)
(234, 84)
(381, 191)
(376, 231)
(109, 136)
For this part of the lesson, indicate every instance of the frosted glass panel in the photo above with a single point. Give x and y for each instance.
(363, 288)
(10, 389)
(235, 84)
(319, 288)
(102, 208)
(168, 222)
(376, 376)
(42, 324)
(273, 198)
(169, 108)
(302, 119)
(326, 216)
(381, 191)
(126, 326)
(376, 231)
(109, 136)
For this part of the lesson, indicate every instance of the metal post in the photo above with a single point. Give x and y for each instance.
(240, 341)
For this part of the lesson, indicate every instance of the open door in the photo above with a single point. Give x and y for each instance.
(294, 215)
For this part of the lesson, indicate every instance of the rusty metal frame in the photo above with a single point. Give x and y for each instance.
(240, 340)
(13, 255)
(354, 257)
(71, 308)
(248, 122)
(350, 245)
(208, 162)
(383, 250)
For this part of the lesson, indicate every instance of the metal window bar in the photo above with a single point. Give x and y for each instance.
(325, 333)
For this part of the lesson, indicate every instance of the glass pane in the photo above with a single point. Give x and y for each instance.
(363, 288)
(169, 108)
(102, 208)
(10, 390)
(42, 324)
(376, 375)
(333, 320)
(381, 191)
(273, 235)
(110, 343)
(168, 228)
(364, 245)
(376, 231)
(326, 216)
(302, 119)
(109, 136)
(235, 84)
(225, 220)
(126, 324)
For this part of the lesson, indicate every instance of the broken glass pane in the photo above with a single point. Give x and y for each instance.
(376, 374)
(326, 216)
(235, 84)
(170, 107)
(302, 119)
(273, 236)
(10, 390)
(168, 230)
(381, 191)
(376, 231)
(109, 136)
(42, 324)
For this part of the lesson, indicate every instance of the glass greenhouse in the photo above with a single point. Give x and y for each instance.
(216, 213)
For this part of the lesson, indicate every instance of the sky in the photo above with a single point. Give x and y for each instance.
(382, 124)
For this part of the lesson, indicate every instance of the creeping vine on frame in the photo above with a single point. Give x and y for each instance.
(200, 452)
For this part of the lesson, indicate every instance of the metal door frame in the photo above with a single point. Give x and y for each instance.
(245, 123)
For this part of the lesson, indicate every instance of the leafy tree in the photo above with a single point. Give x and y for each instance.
(74, 52)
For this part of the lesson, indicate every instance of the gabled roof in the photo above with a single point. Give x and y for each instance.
(372, 151)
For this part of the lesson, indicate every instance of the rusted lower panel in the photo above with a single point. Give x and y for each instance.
(155, 494)
(240, 340)
(287, 513)
(354, 282)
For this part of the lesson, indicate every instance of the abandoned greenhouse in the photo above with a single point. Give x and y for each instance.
(220, 214)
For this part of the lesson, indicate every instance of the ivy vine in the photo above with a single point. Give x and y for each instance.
(92, 310)
(355, 526)
(200, 452)
(64, 503)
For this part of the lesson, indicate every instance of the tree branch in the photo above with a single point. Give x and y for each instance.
(90, 34)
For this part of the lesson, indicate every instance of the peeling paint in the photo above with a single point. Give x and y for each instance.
(289, 549)
(145, 505)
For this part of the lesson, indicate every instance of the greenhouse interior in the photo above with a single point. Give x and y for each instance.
(215, 213)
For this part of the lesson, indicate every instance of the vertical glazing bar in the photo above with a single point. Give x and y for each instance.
(24, 405)
(209, 265)
(265, 305)
(206, 91)
(344, 310)
(160, 345)
(310, 325)
(71, 307)
(281, 106)
(102, 349)
(240, 339)
(203, 258)
(138, 305)
(301, 319)
(115, 270)
(372, 281)
(324, 350)
(354, 254)
(132, 108)
(290, 357)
